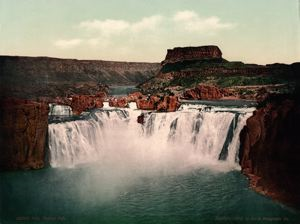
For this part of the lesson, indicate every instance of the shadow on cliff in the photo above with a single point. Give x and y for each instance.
(270, 148)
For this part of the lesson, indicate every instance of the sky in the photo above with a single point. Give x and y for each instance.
(256, 31)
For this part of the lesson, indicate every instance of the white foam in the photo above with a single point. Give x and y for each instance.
(60, 110)
(166, 142)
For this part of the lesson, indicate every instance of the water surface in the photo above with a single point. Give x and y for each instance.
(95, 194)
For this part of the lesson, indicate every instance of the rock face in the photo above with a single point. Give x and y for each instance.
(82, 103)
(161, 104)
(23, 126)
(205, 92)
(133, 97)
(192, 53)
(168, 104)
(270, 151)
(118, 102)
(148, 103)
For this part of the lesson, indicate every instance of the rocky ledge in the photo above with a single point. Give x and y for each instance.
(80, 103)
(160, 103)
(270, 150)
(23, 125)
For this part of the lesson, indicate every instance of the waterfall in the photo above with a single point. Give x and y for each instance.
(190, 136)
(59, 110)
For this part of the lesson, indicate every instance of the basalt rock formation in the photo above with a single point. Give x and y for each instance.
(158, 103)
(270, 150)
(168, 104)
(32, 77)
(205, 92)
(187, 67)
(192, 53)
(82, 103)
(118, 102)
(23, 126)
(123, 101)
(141, 118)
(133, 97)
(161, 103)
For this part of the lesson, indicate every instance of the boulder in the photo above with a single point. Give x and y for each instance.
(141, 119)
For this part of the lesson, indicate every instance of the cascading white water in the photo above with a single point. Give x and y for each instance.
(60, 110)
(194, 135)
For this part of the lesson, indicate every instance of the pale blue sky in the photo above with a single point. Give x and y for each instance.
(256, 31)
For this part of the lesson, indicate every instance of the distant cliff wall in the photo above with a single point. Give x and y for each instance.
(43, 76)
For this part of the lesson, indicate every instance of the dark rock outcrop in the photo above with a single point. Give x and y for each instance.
(270, 151)
(192, 53)
(141, 119)
(23, 126)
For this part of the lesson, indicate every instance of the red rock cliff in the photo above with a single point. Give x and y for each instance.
(205, 92)
(270, 151)
(23, 126)
(82, 103)
(192, 53)
(158, 103)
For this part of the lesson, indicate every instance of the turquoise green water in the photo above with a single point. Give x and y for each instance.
(93, 194)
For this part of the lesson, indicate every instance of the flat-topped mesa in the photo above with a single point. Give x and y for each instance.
(192, 53)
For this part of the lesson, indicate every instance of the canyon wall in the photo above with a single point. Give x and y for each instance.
(23, 127)
(270, 150)
(31, 77)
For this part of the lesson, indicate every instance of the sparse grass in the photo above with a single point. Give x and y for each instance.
(225, 81)
(247, 80)
(194, 64)
(222, 73)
